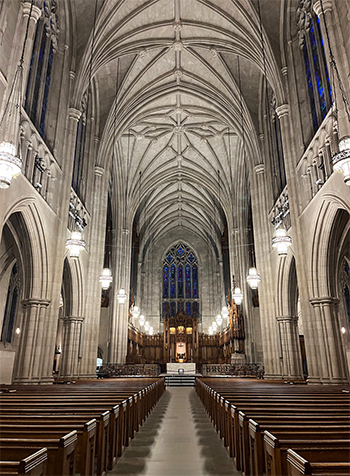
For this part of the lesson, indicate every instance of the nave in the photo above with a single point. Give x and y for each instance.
(177, 439)
(116, 427)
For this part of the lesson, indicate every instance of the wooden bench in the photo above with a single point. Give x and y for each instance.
(86, 439)
(276, 449)
(325, 463)
(32, 465)
(60, 452)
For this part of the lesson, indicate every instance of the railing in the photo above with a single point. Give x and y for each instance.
(315, 166)
(39, 164)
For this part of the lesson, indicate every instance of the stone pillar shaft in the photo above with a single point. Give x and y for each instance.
(70, 346)
(291, 354)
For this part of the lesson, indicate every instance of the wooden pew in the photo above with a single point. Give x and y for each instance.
(32, 465)
(325, 463)
(86, 439)
(60, 452)
(276, 449)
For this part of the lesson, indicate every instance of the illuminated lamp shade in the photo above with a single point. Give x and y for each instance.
(210, 331)
(10, 164)
(238, 296)
(136, 312)
(253, 278)
(106, 278)
(214, 326)
(218, 319)
(150, 331)
(341, 161)
(147, 326)
(142, 320)
(121, 296)
(281, 241)
(224, 312)
(75, 244)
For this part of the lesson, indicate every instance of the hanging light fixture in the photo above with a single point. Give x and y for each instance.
(224, 312)
(10, 161)
(341, 161)
(218, 320)
(214, 326)
(135, 312)
(210, 331)
(106, 278)
(142, 320)
(75, 244)
(238, 296)
(150, 332)
(121, 296)
(147, 326)
(253, 278)
(281, 241)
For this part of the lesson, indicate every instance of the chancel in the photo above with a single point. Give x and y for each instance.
(175, 209)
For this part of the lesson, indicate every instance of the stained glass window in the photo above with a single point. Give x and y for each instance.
(317, 77)
(165, 282)
(39, 77)
(180, 282)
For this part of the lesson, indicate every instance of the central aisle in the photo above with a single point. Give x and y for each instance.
(176, 440)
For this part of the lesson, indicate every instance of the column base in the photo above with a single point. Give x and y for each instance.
(33, 381)
(272, 377)
(326, 381)
(86, 376)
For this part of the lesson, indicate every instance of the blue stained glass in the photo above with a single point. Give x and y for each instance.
(188, 280)
(320, 87)
(195, 282)
(189, 309)
(35, 45)
(191, 258)
(324, 60)
(180, 251)
(180, 307)
(195, 309)
(310, 87)
(165, 282)
(46, 91)
(172, 309)
(173, 281)
(180, 282)
(37, 83)
(169, 258)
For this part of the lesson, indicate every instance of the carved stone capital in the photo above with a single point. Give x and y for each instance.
(282, 110)
(259, 169)
(99, 171)
(74, 114)
(325, 300)
(36, 11)
(31, 302)
(291, 319)
(327, 6)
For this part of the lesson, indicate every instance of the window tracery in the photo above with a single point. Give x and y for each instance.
(180, 282)
(314, 58)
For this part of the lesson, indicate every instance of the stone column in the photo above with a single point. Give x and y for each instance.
(301, 249)
(96, 248)
(71, 336)
(291, 354)
(120, 312)
(330, 348)
(263, 261)
(30, 350)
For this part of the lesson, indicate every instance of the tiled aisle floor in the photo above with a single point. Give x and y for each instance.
(176, 440)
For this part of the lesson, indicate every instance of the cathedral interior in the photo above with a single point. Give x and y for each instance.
(174, 188)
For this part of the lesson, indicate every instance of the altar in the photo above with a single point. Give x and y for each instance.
(188, 367)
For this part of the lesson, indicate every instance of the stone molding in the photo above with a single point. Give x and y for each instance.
(287, 319)
(324, 300)
(327, 6)
(282, 110)
(36, 11)
(74, 114)
(35, 302)
(259, 169)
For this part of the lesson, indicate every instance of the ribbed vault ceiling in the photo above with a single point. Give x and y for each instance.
(179, 133)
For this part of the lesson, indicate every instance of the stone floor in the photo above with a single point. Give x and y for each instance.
(176, 440)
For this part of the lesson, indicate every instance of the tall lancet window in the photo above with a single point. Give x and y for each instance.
(41, 66)
(180, 282)
(314, 58)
